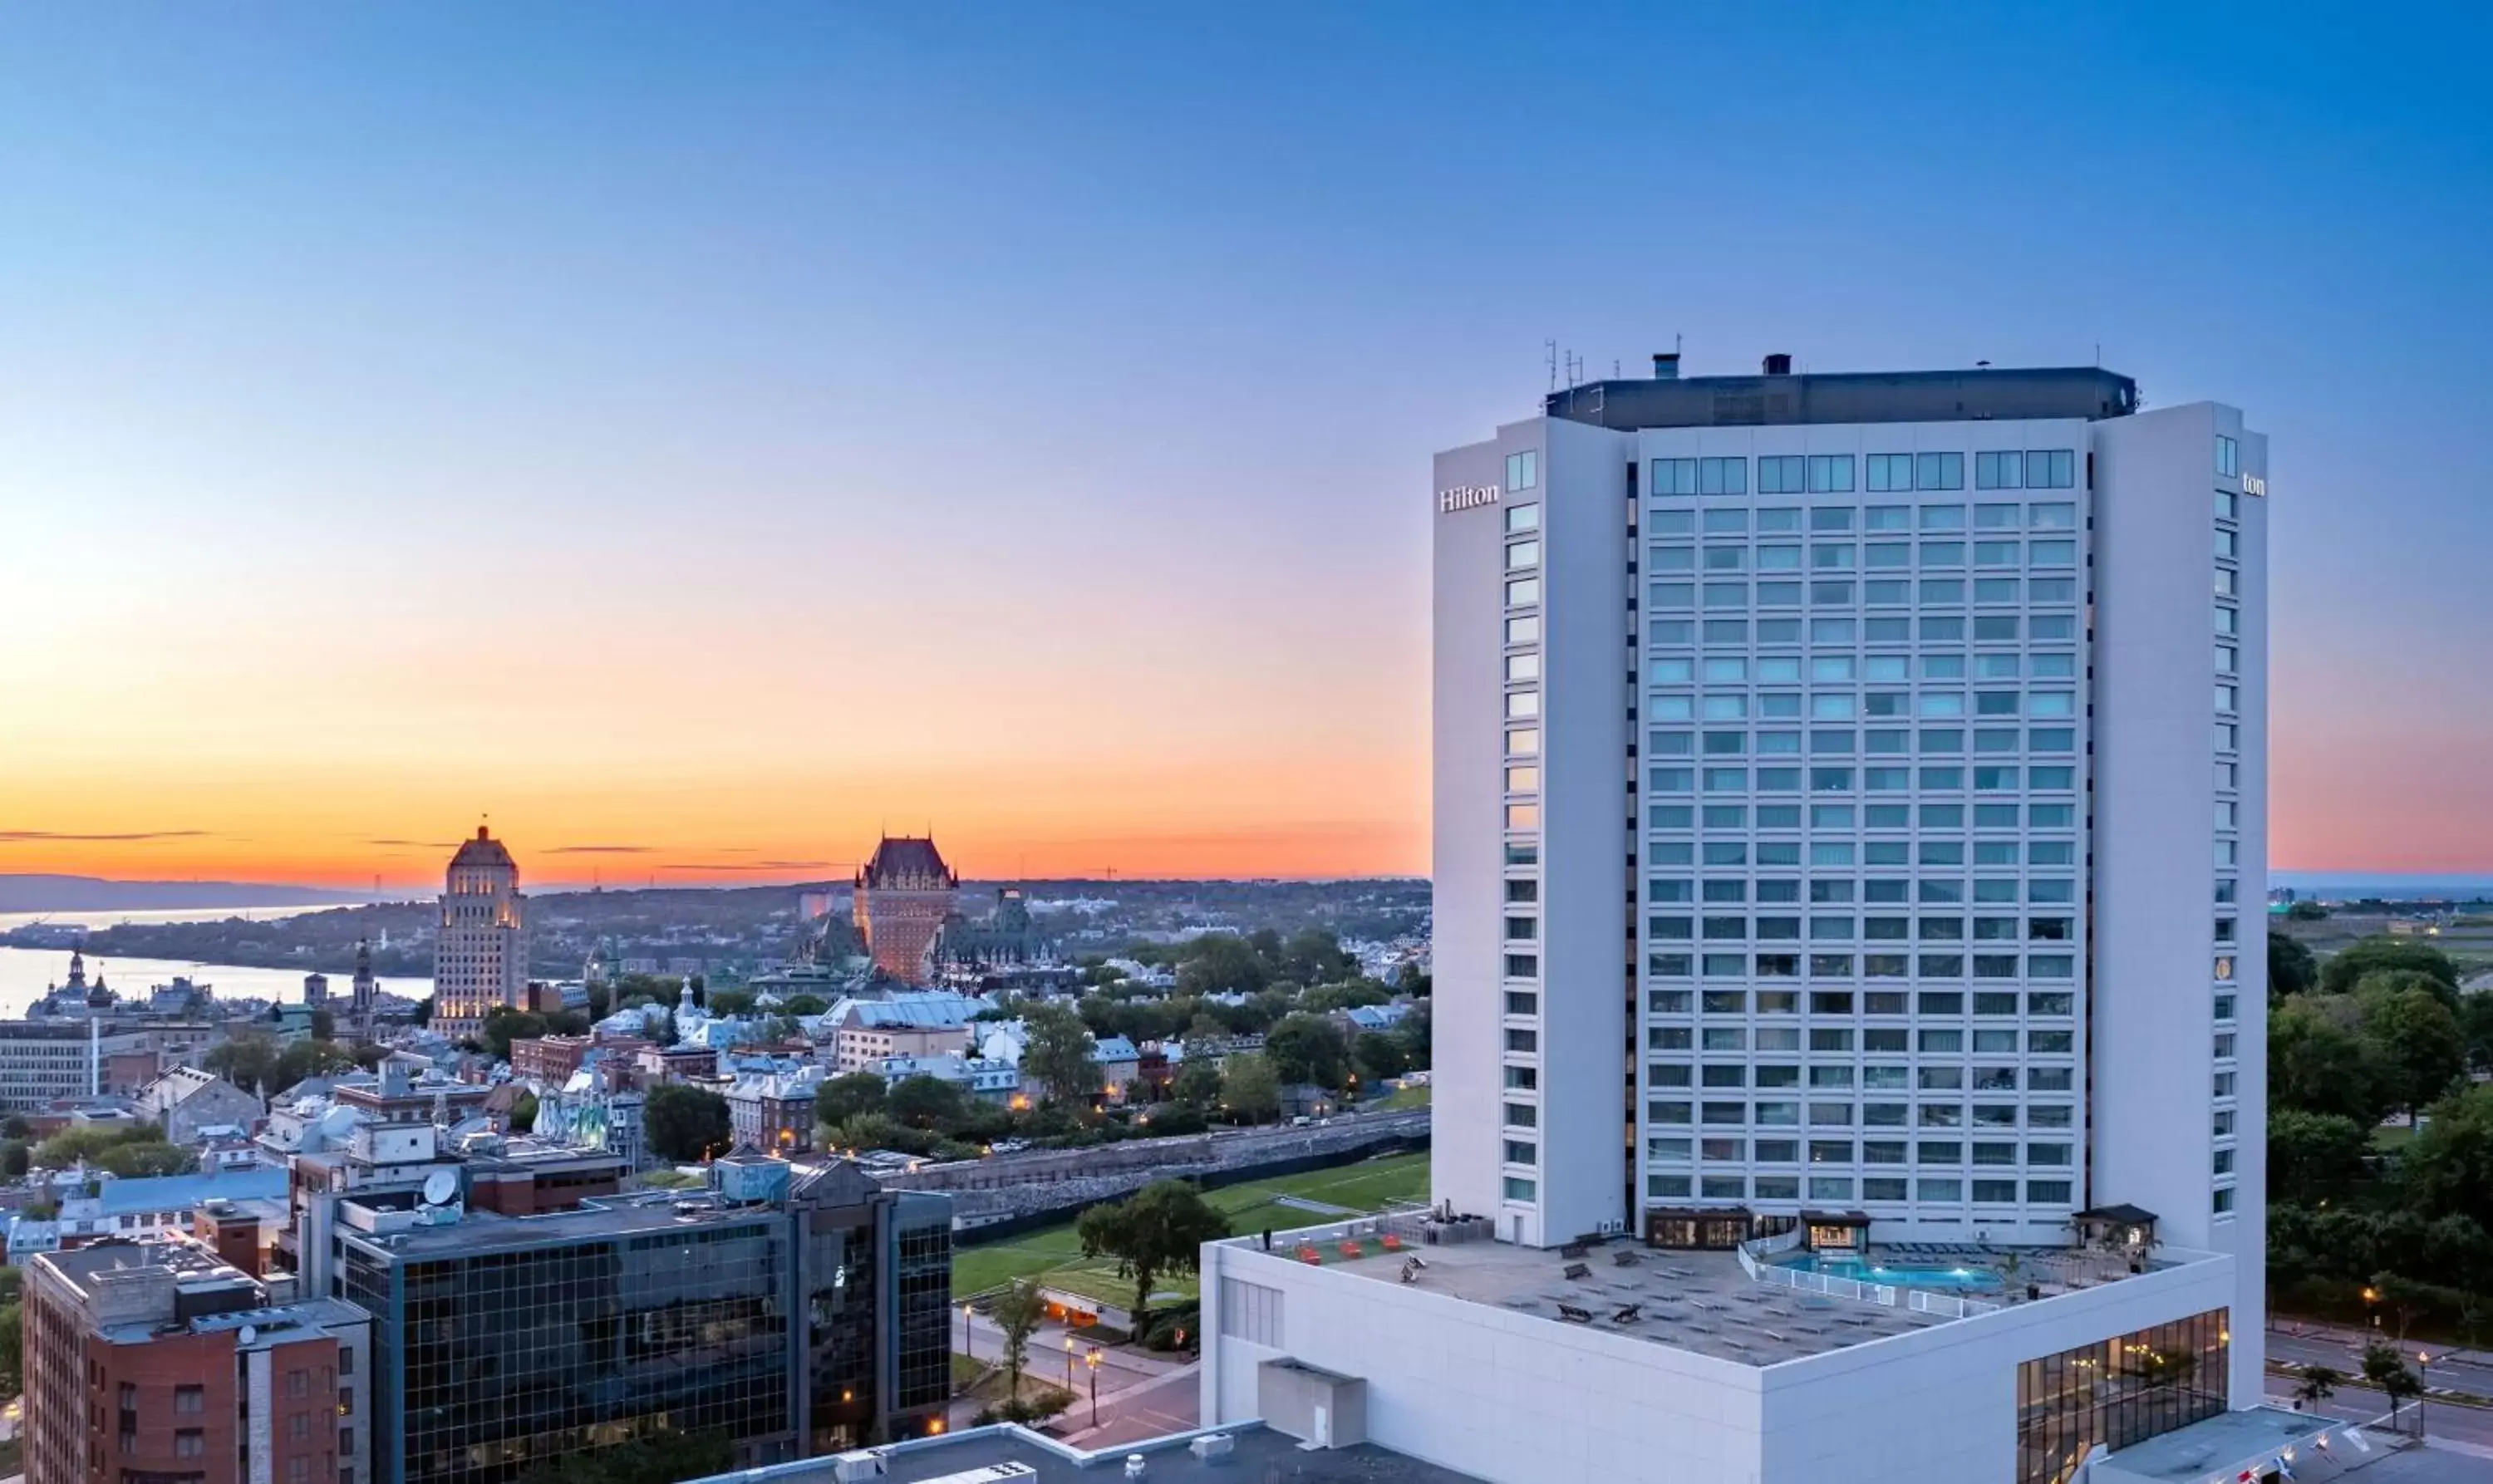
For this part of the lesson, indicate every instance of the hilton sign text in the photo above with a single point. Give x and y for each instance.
(1466, 497)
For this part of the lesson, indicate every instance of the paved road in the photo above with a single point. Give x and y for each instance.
(2446, 1428)
(1119, 1368)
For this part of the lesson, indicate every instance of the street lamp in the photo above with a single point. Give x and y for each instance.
(968, 1348)
(1093, 1361)
(1069, 1362)
(2371, 1302)
(2423, 1384)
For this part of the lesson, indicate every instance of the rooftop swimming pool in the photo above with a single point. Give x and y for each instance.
(1904, 1275)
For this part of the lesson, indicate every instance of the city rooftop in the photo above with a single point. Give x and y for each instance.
(1780, 398)
(1699, 1301)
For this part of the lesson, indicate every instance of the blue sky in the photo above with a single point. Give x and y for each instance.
(393, 386)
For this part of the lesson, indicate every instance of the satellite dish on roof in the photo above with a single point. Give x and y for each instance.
(249, 1332)
(441, 1188)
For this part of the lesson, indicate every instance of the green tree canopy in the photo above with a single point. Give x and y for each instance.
(2317, 1062)
(504, 1024)
(2291, 968)
(2419, 1040)
(1308, 1048)
(2314, 1157)
(1198, 1083)
(1160, 1229)
(2449, 1164)
(804, 1004)
(308, 1059)
(1249, 1087)
(91, 1142)
(1057, 1056)
(684, 1123)
(928, 1103)
(1219, 963)
(844, 1096)
(2342, 970)
(524, 1112)
(248, 1059)
(1378, 1057)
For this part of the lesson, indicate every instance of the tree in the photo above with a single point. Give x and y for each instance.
(1221, 963)
(2476, 1017)
(2314, 1157)
(1018, 1315)
(2347, 968)
(1378, 1057)
(90, 1143)
(144, 1158)
(2384, 1367)
(504, 1024)
(524, 1112)
(1412, 1030)
(13, 1348)
(1198, 1083)
(2317, 1385)
(423, 1014)
(2291, 968)
(2420, 1044)
(16, 1126)
(685, 1124)
(1249, 1086)
(727, 1002)
(324, 1026)
(847, 1095)
(308, 1059)
(1313, 956)
(1058, 1054)
(247, 1060)
(804, 1004)
(2317, 1063)
(1306, 1049)
(1160, 1229)
(928, 1103)
(2447, 1169)
(2307, 911)
(16, 1158)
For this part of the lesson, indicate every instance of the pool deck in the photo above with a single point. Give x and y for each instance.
(1697, 1301)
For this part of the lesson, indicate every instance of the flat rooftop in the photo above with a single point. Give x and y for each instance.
(1698, 1302)
(1258, 1454)
(1786, 398)
(609, 1217)
(2230, 1441)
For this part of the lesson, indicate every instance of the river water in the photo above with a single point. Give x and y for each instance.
(26, 972)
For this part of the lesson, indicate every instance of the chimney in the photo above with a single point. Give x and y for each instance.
(1666, 366)
(1778, 365)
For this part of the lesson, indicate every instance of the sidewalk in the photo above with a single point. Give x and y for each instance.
(2357, 1339)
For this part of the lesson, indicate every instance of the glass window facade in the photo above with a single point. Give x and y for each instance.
(2120, 1391)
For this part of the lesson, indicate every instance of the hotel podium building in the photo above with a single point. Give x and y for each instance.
(1850, 859)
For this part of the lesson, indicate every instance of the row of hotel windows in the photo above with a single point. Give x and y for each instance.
(1725, 705)
(1844, 669)
(1927, 1191)
(1840, 520)
(1846, 555)
(1933, 628)
(1934, 740)
(1951, 592)
(1883, 473)
(1844, 1151)
(1840, 854)
(1778, 1113)
(1988, 778)
(1930, 1040)
(1845, 1003)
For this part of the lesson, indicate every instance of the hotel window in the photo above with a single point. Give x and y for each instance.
(1522, 705)
(1521, 555)
(2229, 455)
(1674, 476)
(1518, 1188)
(1525, 630)
(1522, 666)
(1889, 472)
(1523, 742)
(1523, 816)
(2229, 505)
(1524, 592)
(2051, 468)
(1830, 474)
(1938, 471)
(1722, 476)
(1522, 518)
(1523, 470)
(1522, 929)
(1518, 1152)
(1781, 474)
(2228, 545)
(1999, 471)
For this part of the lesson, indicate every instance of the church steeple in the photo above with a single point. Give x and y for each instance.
(77, 969)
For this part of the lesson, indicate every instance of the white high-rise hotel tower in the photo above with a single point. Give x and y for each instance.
(1850, 851)
(481, 958)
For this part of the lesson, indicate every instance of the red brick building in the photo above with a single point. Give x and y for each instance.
(903, 895)
(141, 1359)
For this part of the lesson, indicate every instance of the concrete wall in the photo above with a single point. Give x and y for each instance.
(2155, 1100)
(1517, 1400)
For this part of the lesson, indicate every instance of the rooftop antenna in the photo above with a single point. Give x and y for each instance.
(1549, 350)
(1615, 372)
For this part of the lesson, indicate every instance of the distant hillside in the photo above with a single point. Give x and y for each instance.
(33, 893)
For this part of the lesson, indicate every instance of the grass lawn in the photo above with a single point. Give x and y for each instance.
(966, 1370)
(1054, 1253)
(1410, 1097)
(2392, 1135)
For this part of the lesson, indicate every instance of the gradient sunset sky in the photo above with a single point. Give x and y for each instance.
(701, 436)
